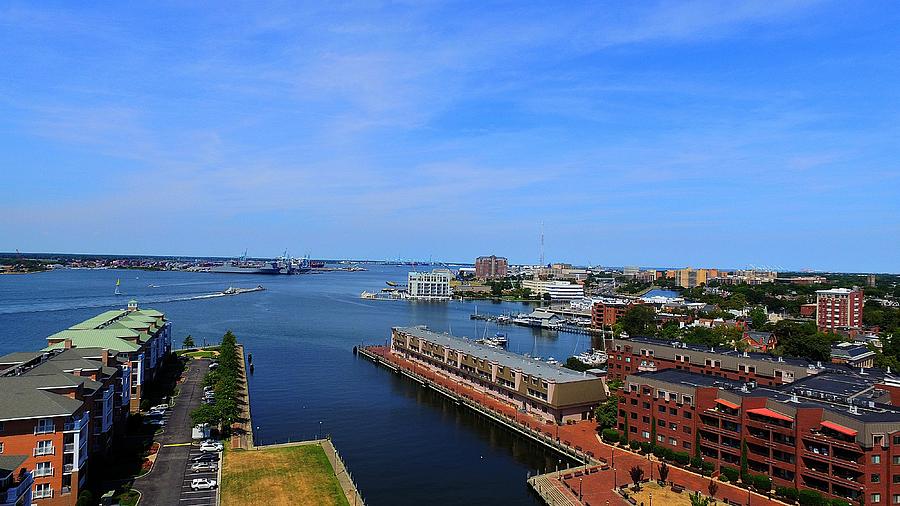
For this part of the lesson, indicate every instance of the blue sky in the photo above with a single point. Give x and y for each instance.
(712, 133)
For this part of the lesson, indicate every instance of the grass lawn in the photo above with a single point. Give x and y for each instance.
(200, 354)
(662, 496)
(280, 476)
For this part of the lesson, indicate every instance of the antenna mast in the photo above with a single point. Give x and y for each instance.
(542, 244)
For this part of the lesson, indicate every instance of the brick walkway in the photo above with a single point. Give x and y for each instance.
(596, 487)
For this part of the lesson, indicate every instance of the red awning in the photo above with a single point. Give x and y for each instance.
(728, 404)
(839, 428)
(771, 414)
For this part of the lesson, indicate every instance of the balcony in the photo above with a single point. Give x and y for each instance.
(41, 472)
(818, 437)
(44, 429)
(42, 493)
(68, 468)
(76, 425)
(69, 448)
(15, 491)
(46, 450)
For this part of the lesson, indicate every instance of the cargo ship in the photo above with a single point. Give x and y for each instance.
(243, 267)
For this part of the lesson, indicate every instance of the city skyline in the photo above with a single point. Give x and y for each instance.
(664, 134)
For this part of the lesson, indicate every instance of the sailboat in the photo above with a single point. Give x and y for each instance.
(118, 281)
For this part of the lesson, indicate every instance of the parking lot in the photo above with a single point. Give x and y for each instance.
(169, 482)
(198, 497)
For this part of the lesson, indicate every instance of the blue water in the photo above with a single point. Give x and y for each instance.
(662, 293)
(403, 444)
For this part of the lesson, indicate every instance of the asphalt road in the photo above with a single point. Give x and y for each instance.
(164, 485)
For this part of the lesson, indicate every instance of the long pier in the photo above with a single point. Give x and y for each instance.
(495, 415)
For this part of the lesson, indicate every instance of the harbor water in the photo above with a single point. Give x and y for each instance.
(403, 444)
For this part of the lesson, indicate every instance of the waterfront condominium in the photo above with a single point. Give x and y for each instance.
(839, 309)
(551, 392)
(434, 285)
(491, 267)
(140, 336)
(836, 432)
(557, 290)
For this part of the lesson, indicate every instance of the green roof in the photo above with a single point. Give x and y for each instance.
(110, 339)
(149, 312)
(101, 319)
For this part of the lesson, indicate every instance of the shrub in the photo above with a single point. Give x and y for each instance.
(789, 494)
(85, 498)
(637, 474)
(682, 458)
(762, 483)
(645, 447)
(839, 502)
(730, 473)
(659, 452)
(696, 462)
(669, 454)
(634, 445)
(610, 435)
(707, 468)
(663, 469)
(810, 498)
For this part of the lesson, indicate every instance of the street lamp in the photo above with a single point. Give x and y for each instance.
(580, 492)
(615, 479)
(320, 429)
(651, 498)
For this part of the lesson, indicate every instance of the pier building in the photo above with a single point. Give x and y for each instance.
(551, 392)
(434, 285)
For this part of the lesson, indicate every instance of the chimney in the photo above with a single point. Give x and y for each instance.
(104, 357)
(76, 372)
(67, 344)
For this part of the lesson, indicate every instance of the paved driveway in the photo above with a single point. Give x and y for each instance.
(163, 485)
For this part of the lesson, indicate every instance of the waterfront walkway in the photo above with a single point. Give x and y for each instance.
(242, 428)
(605, 466)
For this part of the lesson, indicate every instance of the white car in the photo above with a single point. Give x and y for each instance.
(201, 467)
(160, 407)
(211, 447)
(203, 484)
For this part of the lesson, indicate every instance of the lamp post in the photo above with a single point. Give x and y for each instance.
(615, 479)
(651, 498)
(320, 429)
(580, 491)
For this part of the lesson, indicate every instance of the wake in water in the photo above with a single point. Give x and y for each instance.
(105, 302)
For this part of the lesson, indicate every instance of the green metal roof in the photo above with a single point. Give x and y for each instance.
(100, 319)
(110, 339)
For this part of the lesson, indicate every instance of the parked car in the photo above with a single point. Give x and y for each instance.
(202, 467)
(211, 447)
(208, 389)
(160, 407)
(203, 484)
(213, 365)
(206, 457)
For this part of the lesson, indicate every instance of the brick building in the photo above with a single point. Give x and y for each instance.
(642, 354)
(836, 432)
(608, 312)
(491, 267)
(839, 309)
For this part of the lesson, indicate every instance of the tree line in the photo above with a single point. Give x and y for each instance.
(226, 381)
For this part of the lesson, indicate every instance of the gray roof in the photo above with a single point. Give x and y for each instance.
(505, 358)
(19, 357)
(10, 463)
(24, 397)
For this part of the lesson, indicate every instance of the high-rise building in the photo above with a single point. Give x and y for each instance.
(839, 309)
(434, 285)
(690, 278)
(491, 267)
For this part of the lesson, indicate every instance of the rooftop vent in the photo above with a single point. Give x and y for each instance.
(854, 410)
(781, 359)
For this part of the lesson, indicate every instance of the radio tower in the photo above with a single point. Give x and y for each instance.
(542, 244)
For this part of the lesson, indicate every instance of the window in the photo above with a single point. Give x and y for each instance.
(896, 499)
(686, 429)
(661, 439)
(673, 441)
(897, 459)
(44, 448)
(44, 426)
(686, 399)
(633, 416)
(688, 415)
(1, 426)
(878, 439)
(645, 434)
(646, 405)
(662, 409)
(686, 445)
(661, 423)
(1, 447)
(896, 438)
(876, 459)
(673, 411)
(673, 425)
(875, 498)
(634, 402)
(42, 490)
(43, 469)
(897, 478)
(875, 478)
(645, 419)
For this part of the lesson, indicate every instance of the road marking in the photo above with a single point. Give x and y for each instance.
(179, 444)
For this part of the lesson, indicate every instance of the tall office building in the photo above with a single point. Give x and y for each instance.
(839, 309)
(491, 267)
(434, 285)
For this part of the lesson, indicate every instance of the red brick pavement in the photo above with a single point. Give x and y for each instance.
(596, 487)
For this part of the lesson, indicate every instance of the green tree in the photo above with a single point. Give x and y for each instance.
(639, 320)
(698, 500)
(758, 318)
(188, 342)
(637, 474)
(607, 413)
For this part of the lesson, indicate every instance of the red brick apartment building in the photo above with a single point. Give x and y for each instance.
(61, 408)
(836, 432)
(642, 354)
(608, 312)
(491, 267)
(839, 309)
